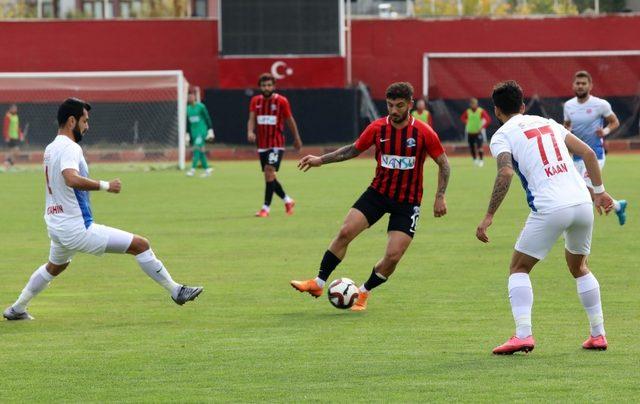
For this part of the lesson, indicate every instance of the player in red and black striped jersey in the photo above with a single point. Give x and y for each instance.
(268, 113)
(402, 145)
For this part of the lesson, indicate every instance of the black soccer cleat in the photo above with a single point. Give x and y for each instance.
(187, 293)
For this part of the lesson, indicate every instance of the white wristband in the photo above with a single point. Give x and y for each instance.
(606, 131)
(104, 185)
(598, 189)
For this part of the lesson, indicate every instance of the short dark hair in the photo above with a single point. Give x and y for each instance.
(401, 89)
(71, 107)
(266, 77)
(508, 97)
(584, 74)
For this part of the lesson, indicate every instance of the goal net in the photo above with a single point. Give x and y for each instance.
(135, 116)
(451, 79)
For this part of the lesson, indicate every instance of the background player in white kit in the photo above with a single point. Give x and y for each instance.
(538, 150)
(584, 116)
(70, 221)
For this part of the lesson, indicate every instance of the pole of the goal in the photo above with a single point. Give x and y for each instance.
(182, 123)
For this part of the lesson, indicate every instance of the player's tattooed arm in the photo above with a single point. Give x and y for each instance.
(443, 174)
(342, 154)
(502, 183)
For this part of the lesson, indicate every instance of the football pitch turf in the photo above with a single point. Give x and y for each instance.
(106, 332)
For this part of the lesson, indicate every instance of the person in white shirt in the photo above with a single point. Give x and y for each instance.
(70, 221)
(584, 116)
(538, 150)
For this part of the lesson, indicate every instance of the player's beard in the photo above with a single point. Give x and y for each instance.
(401, 118)
(581, 96)
(267, 94)
(77, 134)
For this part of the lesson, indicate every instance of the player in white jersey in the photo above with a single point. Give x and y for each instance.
(70, 221)
(538, 150)
(584, 116)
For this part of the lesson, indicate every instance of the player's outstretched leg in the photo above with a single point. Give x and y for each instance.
(521, 299)
(589, 293)
(38, 282)
(354, 224)
(397, 244)
(156, 270)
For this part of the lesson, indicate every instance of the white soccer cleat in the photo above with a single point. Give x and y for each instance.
(207, 172)
(480, 163)
(10, 314)
(191, 173)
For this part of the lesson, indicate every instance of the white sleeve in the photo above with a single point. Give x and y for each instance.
(606, 109)
(70, 158)
(499, 144)
(559, 129)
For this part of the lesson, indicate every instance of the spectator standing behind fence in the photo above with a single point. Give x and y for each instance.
(13, 135)
(476, 120)
(421, 112)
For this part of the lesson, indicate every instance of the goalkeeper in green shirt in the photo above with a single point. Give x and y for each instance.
(199, 131)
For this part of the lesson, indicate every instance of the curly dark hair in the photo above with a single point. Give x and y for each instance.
(508, 97)
(401, 90)
(266, 77)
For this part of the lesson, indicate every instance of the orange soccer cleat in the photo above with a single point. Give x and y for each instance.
(309, 286)
(515, 344)
(262, 213)
(599, 343)
(361, 303)
(288, 207)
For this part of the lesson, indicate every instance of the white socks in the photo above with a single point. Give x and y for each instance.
(266, 207)
(320, 282)
(156, 270)
(521, 298)
(589, 292)
(37, 283)
(287, 199)
(616, 205)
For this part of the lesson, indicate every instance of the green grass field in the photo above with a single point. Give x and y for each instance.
(105, 332)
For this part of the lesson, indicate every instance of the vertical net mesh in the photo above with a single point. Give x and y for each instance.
(133, 118)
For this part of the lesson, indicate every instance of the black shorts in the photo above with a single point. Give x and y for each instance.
(402, 216)
(475, 140)
(271, 157)
(13, 143)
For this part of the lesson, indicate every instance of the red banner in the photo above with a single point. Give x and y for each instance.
(320, 72)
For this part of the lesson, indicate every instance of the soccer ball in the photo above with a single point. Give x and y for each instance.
(343, 293)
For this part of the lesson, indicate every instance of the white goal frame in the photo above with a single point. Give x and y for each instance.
(468, 55)
(182, 87)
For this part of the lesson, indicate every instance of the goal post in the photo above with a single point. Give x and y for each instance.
(450, 79)
(135, 116)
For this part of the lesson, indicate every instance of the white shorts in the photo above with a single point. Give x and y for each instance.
(96, 240)
(541, 231)
(582, 170)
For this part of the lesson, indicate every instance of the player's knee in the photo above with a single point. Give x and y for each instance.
(55, 269)
(346, 234)
(138, 245)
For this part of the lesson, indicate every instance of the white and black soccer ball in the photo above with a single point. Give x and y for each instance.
(343, 293)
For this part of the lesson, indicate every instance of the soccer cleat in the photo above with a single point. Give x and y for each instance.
(186, 294)
(599, 343)
(361, 303)
(309, 286)
(206, 173)
(262, 213)
(515, 344)
(11, 314)
(622, 215)
(191, 173)
(480, 163)
(288, 207)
